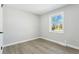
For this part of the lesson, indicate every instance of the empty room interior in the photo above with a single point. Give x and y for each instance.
(39, 29)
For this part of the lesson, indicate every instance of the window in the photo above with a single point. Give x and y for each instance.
(56, 23)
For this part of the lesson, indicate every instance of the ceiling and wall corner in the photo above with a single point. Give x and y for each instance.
(37, 9)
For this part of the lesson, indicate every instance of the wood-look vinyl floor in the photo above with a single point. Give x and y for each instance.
(39, 46)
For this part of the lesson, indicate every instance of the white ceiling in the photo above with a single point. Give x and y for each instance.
(36, 8)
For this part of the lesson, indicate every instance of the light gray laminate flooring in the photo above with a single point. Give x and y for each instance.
(39, 46)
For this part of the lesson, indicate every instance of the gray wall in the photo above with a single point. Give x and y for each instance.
(19, 25)
(1, 22)
(71, 24)
(1, 29)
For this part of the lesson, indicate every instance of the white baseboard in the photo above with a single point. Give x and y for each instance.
(72, 46)
(60, 43)
(20, 42)
(63, 44)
